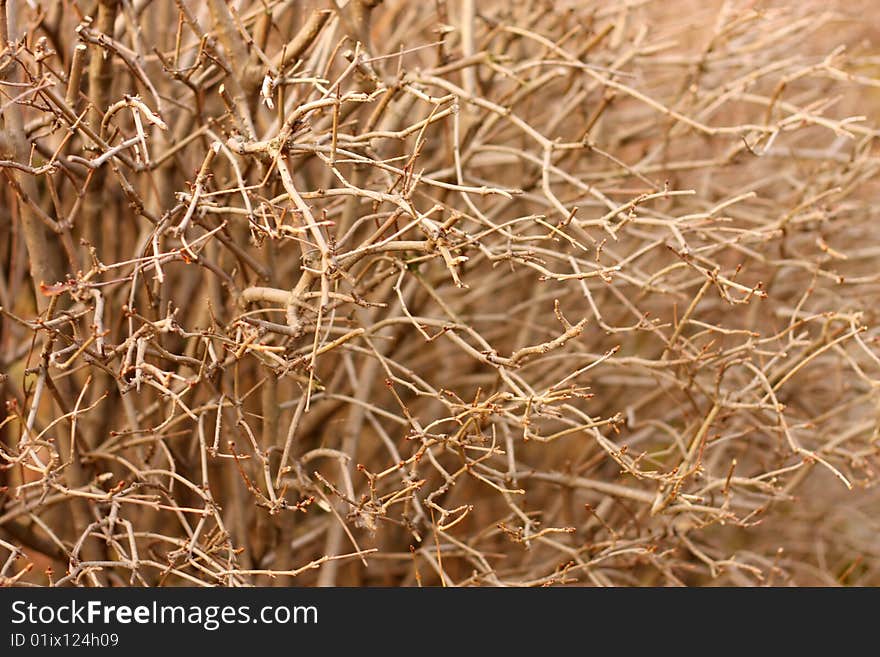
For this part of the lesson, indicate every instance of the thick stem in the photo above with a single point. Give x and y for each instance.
(46, 262)
(100, 90)
(359, 17)
(241, 84)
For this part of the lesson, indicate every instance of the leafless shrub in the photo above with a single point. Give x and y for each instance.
(440, 292)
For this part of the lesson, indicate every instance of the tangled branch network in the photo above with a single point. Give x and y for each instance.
(448, 293)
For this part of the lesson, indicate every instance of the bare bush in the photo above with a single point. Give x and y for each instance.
(514, 293)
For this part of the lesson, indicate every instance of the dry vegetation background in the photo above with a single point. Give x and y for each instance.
(438, 292)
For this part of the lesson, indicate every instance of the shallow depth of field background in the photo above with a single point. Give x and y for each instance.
(446, 292)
